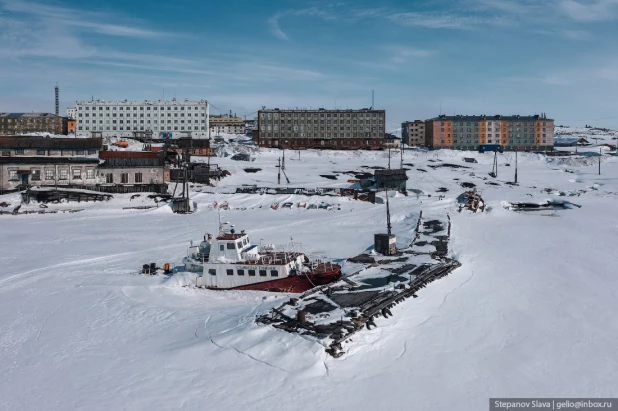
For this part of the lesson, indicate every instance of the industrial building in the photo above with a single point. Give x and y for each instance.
(321, 128)
(24, 123)
(413, 133)
(511, 132)
(158, 119)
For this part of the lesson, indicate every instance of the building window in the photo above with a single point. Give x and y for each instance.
(77, 174)
(138, 177)
(19, 152)
(109, 178)
(231, 246)
(262, 273)
(90, 173)
(124, 178)
(240, 272)
(49, 174)
(12, 175)
(40, 152)
(230, 272)
(64, 174)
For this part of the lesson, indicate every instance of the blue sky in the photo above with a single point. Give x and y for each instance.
(465, 56)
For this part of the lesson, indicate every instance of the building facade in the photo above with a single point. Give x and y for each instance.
(227, 125)
(158, 119)
(24, 123)
(72, 113)
(131, 168)
(18, 172)
(511, 132)
(413, 133)
(320, 128)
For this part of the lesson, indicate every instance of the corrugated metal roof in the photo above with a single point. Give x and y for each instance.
(127, 154)
(95, 143)
(48, 160)
(494, 117)
(18, 115)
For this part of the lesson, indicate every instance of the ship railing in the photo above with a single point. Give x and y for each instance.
(202, 257)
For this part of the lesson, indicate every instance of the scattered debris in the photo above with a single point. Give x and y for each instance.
(447, 165)
(329, 176)
(548, 205)
(467, 185)
(252, 170)
(470, 160)
(472, 201)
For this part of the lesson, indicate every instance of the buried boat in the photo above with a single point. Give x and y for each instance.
(229, 261)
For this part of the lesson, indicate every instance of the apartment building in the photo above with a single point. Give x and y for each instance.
(514, 132)
(72, 113)
(321, 128)
(413, 133)
(227, 125)
(159, 119)
(24, 123)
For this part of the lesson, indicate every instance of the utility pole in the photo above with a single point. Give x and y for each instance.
(388, 215)
(389, 157)
(401, 150)
(515, 166)
(283, 162)
(279, 172)
(599, 161)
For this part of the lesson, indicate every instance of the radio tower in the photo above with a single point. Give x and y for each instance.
(57, 100)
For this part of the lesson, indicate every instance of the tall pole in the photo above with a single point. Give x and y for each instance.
(599, 161)
(515, 166)
(279, 172)
(401, 150)
(283, 162)
(388, 215)
(389, 157)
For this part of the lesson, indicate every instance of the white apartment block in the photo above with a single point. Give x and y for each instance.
(161, 119)
(72, 113)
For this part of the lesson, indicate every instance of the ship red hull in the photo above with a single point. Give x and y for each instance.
(293, 284)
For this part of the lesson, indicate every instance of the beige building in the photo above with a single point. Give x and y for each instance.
(227, 125)
(413, 133)
(320, 128)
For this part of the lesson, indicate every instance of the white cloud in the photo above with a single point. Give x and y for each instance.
(275, 29)
(67, 18)
(442, 20)
(590, 11)
(273, 22)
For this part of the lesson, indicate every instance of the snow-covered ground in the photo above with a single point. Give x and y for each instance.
(532, 311)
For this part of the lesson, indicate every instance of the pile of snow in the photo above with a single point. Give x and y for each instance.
(529, 314)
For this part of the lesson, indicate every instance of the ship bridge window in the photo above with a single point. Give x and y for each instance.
(221, 247)
(212, 271)
(274, 273)
(251, 273)
(231, 246)
(262, 273)
(240, 272)
(230, 272)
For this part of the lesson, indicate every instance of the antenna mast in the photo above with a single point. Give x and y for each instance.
(372, 99)
(57, 100)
